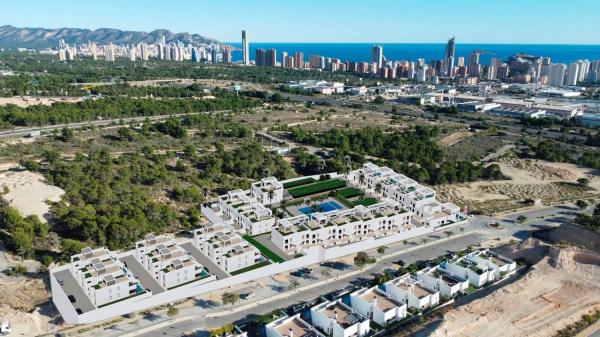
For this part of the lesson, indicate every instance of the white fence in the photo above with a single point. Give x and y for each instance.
(312, 255)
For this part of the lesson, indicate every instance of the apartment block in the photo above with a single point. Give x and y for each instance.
(102, 276)
(412, 291)
(377, 305)
(267, 191)
(168, 263)
(293, 326)
(420, 200)
(339, 226)
(246, 212)
(478, 275)
(339, 320)
(225, 248)
(448, 284)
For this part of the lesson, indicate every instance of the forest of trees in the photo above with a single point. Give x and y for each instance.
(412, 152)
(118, 107)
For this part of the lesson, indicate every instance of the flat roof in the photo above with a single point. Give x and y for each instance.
(384, 303)
(297, 328)
(342, 314)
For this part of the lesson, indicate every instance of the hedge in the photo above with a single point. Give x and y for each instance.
(318, 187)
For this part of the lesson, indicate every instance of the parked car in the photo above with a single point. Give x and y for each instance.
(249, 296)
(401, 263)
(72, 298)
(60, 281)
(79, 312)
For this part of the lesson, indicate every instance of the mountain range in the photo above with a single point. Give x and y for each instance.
(13, 37)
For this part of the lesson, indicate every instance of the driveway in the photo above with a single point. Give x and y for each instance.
(148, 282)
(205, 261)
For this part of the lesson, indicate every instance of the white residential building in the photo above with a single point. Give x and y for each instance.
(168, 263)
(102, 276)
(446, 283)
(420, 200)
(477, 272)
(412, 291)
(377, 305)
(339, 320)
(293, 326)
(339, 227)
(267, 191)
(246, 212)
(225, 248)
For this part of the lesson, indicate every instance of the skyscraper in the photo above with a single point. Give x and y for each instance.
(299, 60)
(271, 58)
(227, 55)
(556, 77)
(474, 68)
(260, 58)
(377, 55)
(245, 48)
(572, 74)
(284, 56)
(450, 49)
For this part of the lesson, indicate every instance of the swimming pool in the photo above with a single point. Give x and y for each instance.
(324, 207)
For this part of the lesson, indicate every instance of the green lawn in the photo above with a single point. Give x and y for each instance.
(264, 250)
(349, 192)
(317, 187)
(470, 289)
(298, 182)
(252, 267)
(366, 202)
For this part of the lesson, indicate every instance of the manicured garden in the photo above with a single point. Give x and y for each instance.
(299, 182)
(264, 250)
(316, 187)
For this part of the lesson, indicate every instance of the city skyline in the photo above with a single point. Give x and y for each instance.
(473, 21)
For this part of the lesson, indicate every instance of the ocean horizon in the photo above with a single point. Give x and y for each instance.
(558, 53)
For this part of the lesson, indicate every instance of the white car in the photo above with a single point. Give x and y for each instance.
(5, 328)
(249, 296)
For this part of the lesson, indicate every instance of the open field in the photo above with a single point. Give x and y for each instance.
(27, 192)
(557, 291)
(25, 101)
(535, 179)
(18, 302)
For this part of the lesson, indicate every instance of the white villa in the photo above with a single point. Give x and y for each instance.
(267, 191)
(246, 212)
(448, 284)
(102, 276)
(339, 320)
(426, 209)
(377, 305)
(413, 292)
(224, 247)
(481, 267)
(293, 326)
(168, 263)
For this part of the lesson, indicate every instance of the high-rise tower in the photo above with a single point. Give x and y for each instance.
(245, 48)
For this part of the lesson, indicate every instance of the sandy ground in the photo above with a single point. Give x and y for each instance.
(189, 81)
(18, 303)
(535, 179)
(28, 192)
(454, 138)
(25, 101)
(560, 288)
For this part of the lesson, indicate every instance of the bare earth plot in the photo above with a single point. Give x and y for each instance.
(558, 290)
(535, 179)
(24, 102)
(28, 192)
(18, 301)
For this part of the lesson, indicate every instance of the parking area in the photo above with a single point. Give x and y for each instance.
(148, 282)
(74, 291)
(205, 261)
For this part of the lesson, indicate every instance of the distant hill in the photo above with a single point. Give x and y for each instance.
(13, 37)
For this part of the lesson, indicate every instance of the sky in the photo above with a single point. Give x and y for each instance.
(381, 21)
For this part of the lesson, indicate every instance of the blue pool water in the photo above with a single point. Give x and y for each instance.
(325, 207)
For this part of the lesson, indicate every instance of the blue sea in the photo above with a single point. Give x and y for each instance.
(428, 51)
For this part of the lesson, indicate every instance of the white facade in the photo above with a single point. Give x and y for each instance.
(267, 191)
(339, 320)
(102, 276)
(377, 305)
(246, 212)
(225, 248)
(168, 263)
(448, 284)
(413, 292)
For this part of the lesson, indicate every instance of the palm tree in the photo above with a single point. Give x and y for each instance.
(361, 177)
(293, 284)
(270, 195)
(378, 188)
(230, 298)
